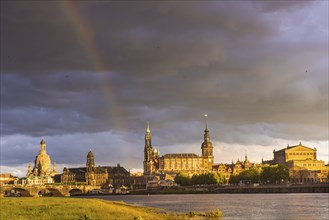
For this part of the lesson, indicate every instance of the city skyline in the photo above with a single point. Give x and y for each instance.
(90, 75)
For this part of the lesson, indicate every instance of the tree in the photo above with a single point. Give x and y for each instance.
(253, 175)
(182, 179)
(234, 179)
(208, 178)
(275, 173)
(221, 178)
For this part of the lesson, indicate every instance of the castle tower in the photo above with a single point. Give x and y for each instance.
(148, 152)
(207, 148)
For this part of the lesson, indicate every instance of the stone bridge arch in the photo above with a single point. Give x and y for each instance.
(61, 190)
(18, 190)
(55, 192)
(75, 191)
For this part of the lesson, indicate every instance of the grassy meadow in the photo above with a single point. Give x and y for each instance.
(86, 209)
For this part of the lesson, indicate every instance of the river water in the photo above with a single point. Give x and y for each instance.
(299, 206)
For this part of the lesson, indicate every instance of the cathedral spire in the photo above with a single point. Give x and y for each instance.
(148, 128)
(148, 136)
(207, 148)
(205, 121)
(149, 153)
(206, 131)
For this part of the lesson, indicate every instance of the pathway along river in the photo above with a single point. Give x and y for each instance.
(308, 206)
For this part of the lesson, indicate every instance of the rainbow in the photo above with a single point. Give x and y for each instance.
(84, 35)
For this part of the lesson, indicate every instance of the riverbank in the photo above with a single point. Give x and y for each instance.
(217, 189)
(292, 206)
(86, 209)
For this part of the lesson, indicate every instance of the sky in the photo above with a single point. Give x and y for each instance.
(89, 75)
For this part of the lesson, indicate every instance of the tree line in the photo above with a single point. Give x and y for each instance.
(258, 174)
(205, 178)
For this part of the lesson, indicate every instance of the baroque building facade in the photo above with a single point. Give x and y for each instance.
(96, 175)
(41, 173)
(171, 164)
(233, 168)
(302, 163)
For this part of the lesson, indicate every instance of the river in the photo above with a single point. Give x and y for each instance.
(299, 206)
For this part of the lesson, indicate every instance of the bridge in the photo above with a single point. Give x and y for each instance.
(54, 190)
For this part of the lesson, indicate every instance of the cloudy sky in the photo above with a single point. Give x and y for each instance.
(89, 75)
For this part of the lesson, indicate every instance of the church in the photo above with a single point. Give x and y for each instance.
(41, 172)
(171, 164)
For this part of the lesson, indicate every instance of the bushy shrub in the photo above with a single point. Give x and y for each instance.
(191, 214)
(214, 214)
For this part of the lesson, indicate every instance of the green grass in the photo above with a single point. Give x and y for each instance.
(84, 209)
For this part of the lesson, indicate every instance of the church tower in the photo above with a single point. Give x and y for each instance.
(90, 165)
(207, 148)
(90, 169)
(148, 152)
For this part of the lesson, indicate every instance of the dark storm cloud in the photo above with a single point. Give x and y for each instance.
(258, 68)
(124, 33)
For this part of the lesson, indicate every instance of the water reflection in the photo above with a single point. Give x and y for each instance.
(239, 206)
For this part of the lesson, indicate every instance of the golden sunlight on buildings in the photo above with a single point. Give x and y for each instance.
(302, 163)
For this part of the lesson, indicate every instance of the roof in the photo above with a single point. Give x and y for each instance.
(77, 170)
(110, 169)
(219, 165)
(115, 169)
(5, 175)
(185, 155)
(291, 147)
(230, 166)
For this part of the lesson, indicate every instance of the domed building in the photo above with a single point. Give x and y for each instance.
(41, 172)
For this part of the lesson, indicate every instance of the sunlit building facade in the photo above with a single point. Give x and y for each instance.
(189, 163)
(42, 172)
(302, 163)
(233, 168)
(96, 175)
